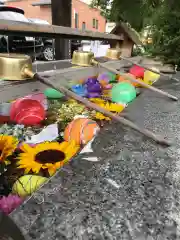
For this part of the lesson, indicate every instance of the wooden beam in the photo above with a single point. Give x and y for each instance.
(8, 27)
(61, 16)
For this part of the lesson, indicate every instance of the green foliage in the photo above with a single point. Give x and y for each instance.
(137, 52)
(166, 33)
(134, 12)
(162, 15)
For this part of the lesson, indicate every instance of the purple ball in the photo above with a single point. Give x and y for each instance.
(91, 81)
(104, 77)
(93, 85)
(93, 95)
(96, 88)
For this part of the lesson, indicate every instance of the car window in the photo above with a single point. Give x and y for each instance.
(14, 16)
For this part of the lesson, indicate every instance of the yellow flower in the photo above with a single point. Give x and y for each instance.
(100, 116)
(112, 107)
(97, 100)
(47, 155)
(8, 145)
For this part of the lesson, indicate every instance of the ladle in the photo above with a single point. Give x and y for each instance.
(24, 66)
(87, 59)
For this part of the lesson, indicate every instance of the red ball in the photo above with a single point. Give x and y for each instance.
(137, 71)
(29, 118)
(27, 112)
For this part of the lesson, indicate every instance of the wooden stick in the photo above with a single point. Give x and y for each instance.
(147, 133)
(152, 70)
(140, 82)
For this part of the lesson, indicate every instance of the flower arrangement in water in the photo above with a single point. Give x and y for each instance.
(29, 157)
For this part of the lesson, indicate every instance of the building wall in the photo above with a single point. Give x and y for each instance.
(30, 11)
(85, 13)
(127, 48)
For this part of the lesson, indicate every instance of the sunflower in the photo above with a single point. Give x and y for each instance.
(48, 155)
(8, 145)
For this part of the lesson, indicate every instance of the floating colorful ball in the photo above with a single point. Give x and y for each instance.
(53, 93)
(81, 130)
(79, 90)
(27, 184)
(137, 71)
(123, 92)
(27, 112)
(125, 78)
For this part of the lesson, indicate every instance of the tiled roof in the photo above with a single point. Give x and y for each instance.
(132, 34)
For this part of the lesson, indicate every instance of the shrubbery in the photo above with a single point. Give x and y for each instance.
(166, 34)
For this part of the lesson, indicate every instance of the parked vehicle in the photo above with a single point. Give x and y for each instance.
(18, 44)
(47, 53)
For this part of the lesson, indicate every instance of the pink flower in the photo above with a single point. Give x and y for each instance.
(9, 203)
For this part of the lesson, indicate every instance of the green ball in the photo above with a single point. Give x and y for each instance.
(123, 92)
(112, 77)
(53, 93)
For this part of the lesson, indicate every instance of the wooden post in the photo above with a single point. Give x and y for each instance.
(61, 16)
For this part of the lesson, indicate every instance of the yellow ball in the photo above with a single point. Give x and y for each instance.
(28, 184)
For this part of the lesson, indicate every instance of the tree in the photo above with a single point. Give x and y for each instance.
(166, 32)
(163, 17)
(136, 12)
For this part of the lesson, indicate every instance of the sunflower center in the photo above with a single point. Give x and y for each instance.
(50, 156)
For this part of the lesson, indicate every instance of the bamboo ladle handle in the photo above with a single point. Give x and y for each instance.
(150, 69)
(138, 81)
(147, 133)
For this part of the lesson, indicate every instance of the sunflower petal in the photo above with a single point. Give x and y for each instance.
(7, 146)
(25, 147)
(51, 171)
(27, 170)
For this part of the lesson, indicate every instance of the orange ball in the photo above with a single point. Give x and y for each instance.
(103, 83)
(81, 81)
(81, 130)
(124, 79)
